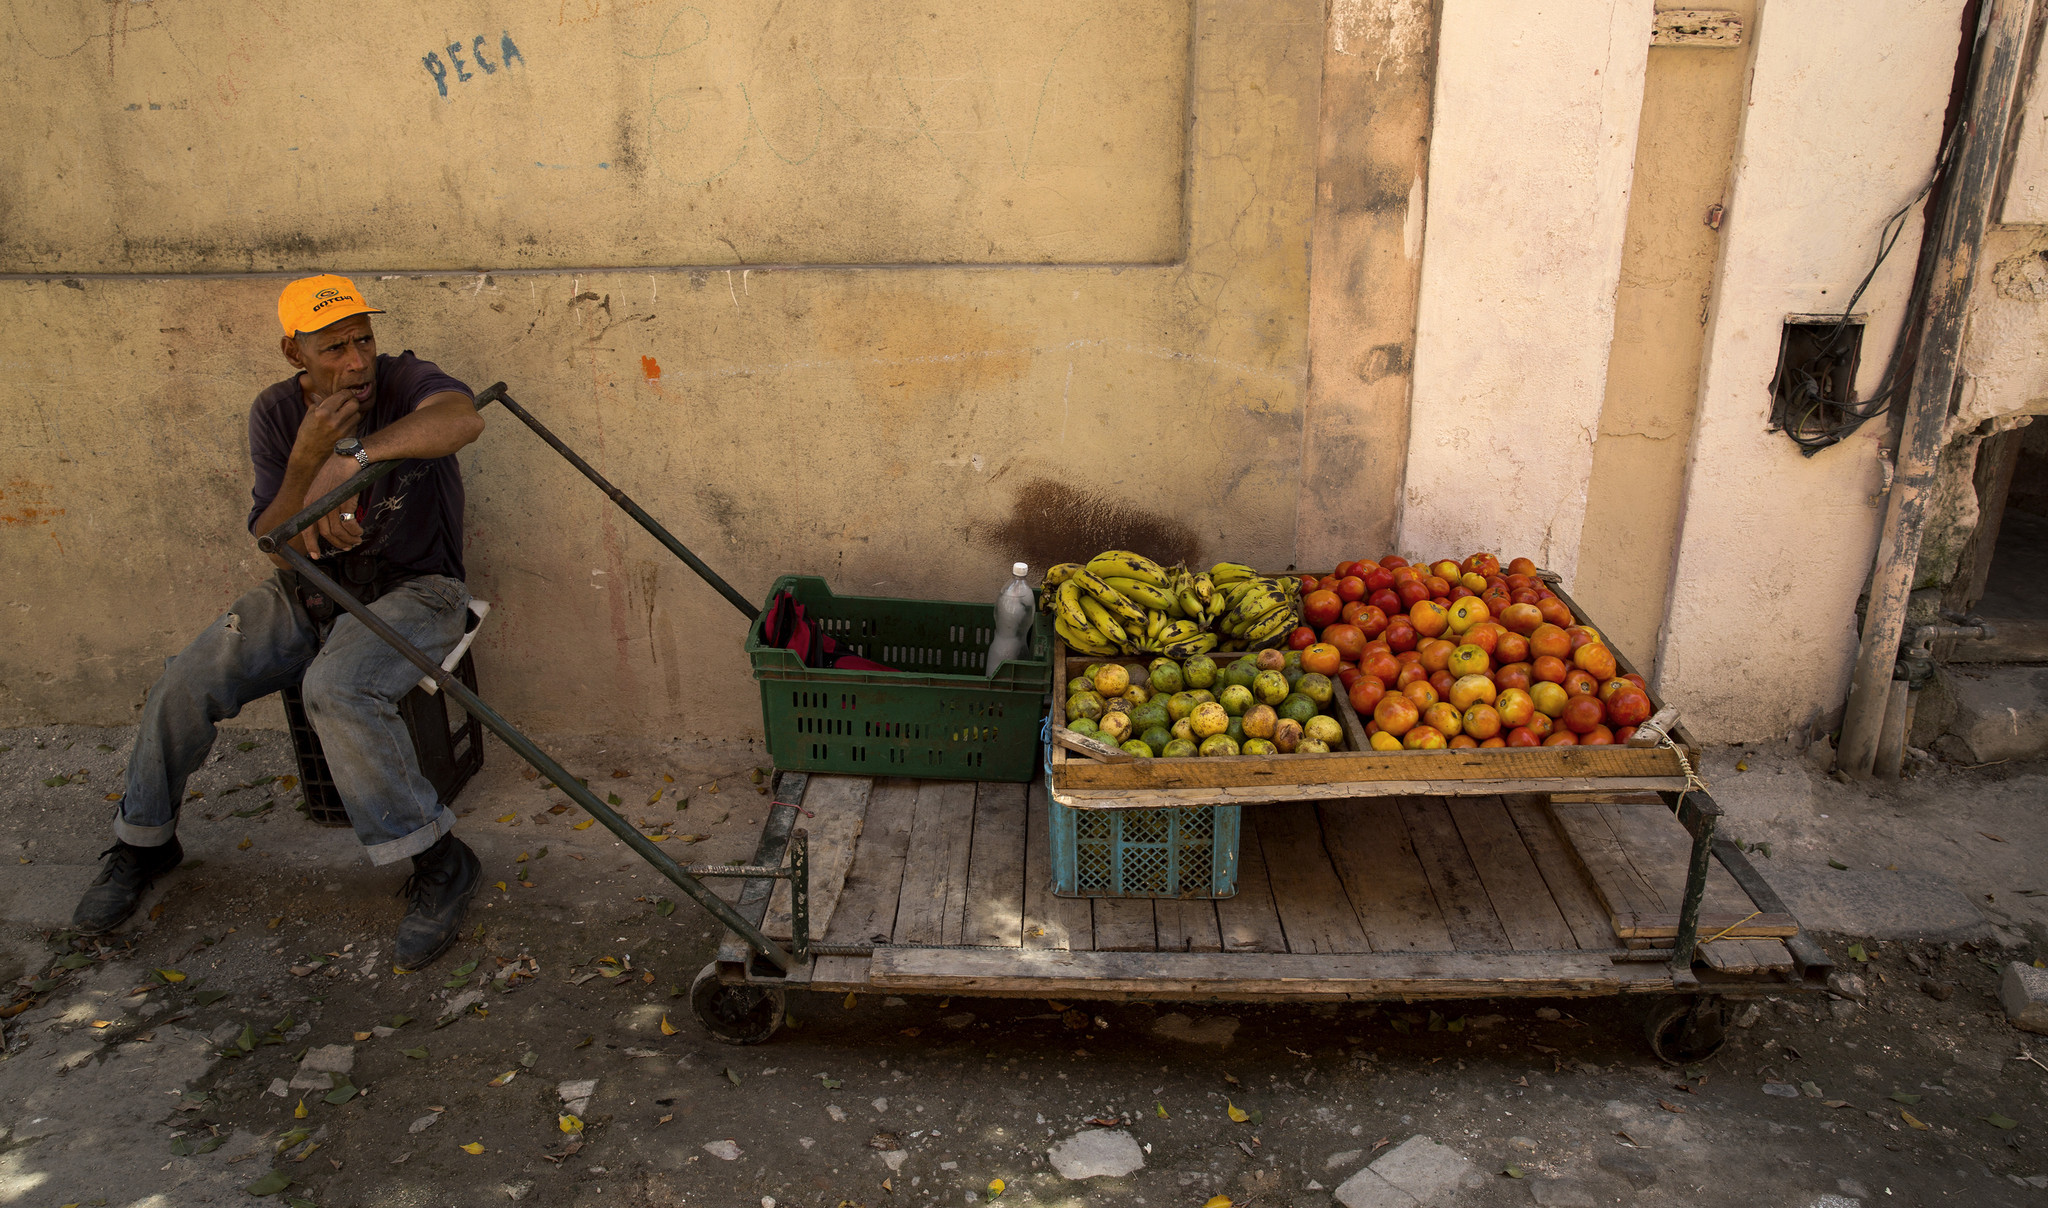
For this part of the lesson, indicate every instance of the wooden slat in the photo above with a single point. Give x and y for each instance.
(1484, 764)
(1124, 799)
(995, 877)
(1746, 956)
(1620, 886)
(841, 806)
(1313, 907)
(1382, 879)
(840, 974)
(1452, 876)
(1521, 900)
(1636, 906)
(1569, 887)
(1049, 921)
(1747, 925)
(751, 903)
(1248, 920)
(1659, 847)
(1187, 925)
(867, 905)
(933, 908)
(1125, 925)
(1261, 975)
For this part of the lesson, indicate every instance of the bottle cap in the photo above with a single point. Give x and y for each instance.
(1020, 569)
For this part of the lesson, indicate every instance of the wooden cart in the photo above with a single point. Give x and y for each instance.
(1594, 871)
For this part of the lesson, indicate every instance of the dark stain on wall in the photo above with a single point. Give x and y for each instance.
(1383, 361)
(626, 155)
(1051, 522)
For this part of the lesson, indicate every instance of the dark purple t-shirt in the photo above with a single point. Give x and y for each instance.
(412, 516)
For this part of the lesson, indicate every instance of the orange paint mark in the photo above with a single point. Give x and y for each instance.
(651, 367)
(30, 507)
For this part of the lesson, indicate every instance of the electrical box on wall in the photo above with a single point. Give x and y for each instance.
(1814, 388)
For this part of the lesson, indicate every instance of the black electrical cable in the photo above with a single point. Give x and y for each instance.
(1820, 421)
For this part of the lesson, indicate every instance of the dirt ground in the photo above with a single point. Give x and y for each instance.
(144, 1071)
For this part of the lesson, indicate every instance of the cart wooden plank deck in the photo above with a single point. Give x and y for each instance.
(942, 887)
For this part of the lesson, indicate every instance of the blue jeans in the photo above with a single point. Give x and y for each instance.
(351, 682)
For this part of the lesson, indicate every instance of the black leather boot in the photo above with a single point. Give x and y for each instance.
(127, 873)
(444, 878)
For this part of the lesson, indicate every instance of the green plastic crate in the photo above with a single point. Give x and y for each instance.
(936, 717)
(1188, 852)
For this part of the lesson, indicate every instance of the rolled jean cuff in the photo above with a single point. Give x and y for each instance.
(144, 836)
(394, 850)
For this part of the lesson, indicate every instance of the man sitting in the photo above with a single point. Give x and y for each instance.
(398, 547)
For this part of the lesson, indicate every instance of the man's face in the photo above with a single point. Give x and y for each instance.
(342, 356)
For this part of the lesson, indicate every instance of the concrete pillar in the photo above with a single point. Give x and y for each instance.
(1773, 547)
(1530, 163)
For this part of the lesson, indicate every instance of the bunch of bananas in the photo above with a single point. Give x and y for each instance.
(1125, 603)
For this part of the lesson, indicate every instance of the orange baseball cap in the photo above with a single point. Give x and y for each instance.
(311, 303)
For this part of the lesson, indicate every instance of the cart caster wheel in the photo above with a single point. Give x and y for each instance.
(1684, 1031)
(735, 1014)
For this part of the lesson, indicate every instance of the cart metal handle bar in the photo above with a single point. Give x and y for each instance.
(497, 393)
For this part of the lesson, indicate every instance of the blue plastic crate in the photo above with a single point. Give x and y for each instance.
(1183, 852)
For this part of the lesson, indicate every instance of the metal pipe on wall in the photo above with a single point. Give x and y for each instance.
(1966, 203)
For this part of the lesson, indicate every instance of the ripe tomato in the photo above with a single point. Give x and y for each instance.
(1555, 612)
(1412, 592)
(1580, 683)
(1521, 566)
(1382, 666)
(1628, 707)
(1377, 578)
(1349, 674)
(1366, 692)
(1461, 742)
(1400, 634)
(1484, 565)
(1348, 639)
(1442, 681)
(1320, 608)
(1523, 736)
(1548, 668)
(1351, 587)
(1511, 648)
(1372, 622)
(1596, 660)
(1622, 735)
(1396, 714)
(1352, 610)
(1308, 584)
(1598, 736)
(1390, 561)
(1301, 637)
(1561, 738)
(1322, 658)
(1345, 569)
(1387, 601)
(1515, 675)
(1582, 713)
(1428, 618)
(1436, 652)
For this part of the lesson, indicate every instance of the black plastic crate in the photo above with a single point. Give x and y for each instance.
(449, 754)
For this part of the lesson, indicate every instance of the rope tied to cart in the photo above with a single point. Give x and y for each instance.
(1657, 730)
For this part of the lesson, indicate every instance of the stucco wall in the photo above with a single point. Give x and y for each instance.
(905, 428)
(1774, 548)
(1530, 160)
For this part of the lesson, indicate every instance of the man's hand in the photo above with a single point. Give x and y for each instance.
(326, 421)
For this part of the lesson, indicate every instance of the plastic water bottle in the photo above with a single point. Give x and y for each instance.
(1013, 618)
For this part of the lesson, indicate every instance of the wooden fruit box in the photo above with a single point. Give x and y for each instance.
(1078, 781)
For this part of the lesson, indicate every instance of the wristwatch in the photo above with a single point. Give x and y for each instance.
(349, 446)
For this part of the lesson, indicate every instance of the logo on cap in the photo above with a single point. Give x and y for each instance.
(327, 293)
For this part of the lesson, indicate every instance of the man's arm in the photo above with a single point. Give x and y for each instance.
(441, 424)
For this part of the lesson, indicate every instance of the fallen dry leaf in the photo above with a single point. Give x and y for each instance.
(1237, 1114)
(666, 1119)
(245, 844)
(1911, 1119)
(667, 1028)
(583, 825)
(1670, 1107)
(474, 1147)
(569, 1124)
